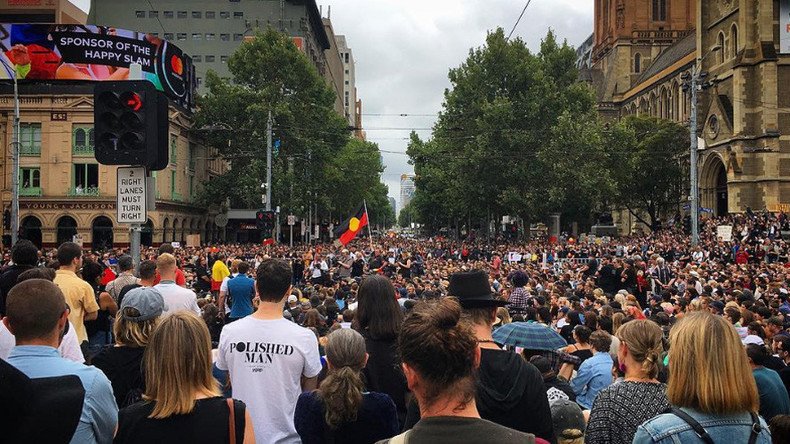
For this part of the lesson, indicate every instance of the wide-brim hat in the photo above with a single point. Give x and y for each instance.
(472, 290)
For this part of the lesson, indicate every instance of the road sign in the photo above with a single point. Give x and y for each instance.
(291, 220)
(131, 195)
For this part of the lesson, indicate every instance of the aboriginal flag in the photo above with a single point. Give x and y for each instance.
(348, 230)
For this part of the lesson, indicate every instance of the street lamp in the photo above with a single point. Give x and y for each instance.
(696, 83)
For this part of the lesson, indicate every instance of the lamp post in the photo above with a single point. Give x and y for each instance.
(696, 83)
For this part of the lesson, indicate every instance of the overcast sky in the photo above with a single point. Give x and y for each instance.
(404, 49)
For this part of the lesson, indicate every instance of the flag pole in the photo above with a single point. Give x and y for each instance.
(370, 235)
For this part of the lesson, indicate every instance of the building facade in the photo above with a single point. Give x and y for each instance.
(41, 11)
(406, 190)
(743, 113)
(210, 30)
(65, 192)
(349, 82)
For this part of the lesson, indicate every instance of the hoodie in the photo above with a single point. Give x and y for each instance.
(510, 392)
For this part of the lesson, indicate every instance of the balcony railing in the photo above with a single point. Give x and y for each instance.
(30, 192)
(29, 150)
(82, 150)
(84, 192)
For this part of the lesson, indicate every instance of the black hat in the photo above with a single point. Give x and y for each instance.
(472, 290)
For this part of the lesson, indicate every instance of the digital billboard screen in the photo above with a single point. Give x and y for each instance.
(79, 52)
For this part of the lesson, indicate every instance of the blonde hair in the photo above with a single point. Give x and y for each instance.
(504, 315)
(166, 261)
(695, 305)
(708, 367)
(617, 320)
(178, 364)
(643, 339)
(133, 334)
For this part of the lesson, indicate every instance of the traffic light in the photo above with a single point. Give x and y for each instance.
(131, 124)
(264, 220)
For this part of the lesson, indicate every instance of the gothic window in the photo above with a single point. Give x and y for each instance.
(637, 63)
(733, 40)
(720, 44)
(659, 10)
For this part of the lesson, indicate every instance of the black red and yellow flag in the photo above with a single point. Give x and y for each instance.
(348, 230)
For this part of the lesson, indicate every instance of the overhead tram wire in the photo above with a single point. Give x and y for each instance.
(157, 17)
(519, 19)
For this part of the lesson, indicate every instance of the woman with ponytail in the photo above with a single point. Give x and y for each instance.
(620, 408)
(340, 411)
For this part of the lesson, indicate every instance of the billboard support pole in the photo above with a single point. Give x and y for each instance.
(15, 167)
(136, 73)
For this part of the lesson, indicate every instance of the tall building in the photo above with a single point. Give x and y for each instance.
(643, 52)
(394, 205)
(406, 190)
(41, 11)
(334, 65)
(211, 30)
(349, 80)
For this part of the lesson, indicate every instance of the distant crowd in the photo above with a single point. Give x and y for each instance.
(391, 339)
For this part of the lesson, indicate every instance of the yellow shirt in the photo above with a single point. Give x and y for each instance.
(219, 271)
(80, 297)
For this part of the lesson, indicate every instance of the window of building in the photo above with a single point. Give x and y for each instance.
(637, 63)
(30, 178)
(210, 36)
(224, 37)
(223, 59)
(139, 14)
(346, 56)
(153, 14)
(238, 15)
(209, 59)
(720, 43)
(347, 82)
(85, 178)
(238, 37)
(659, 10)
(30, 139)
(197, 36)
(734, 40)
(181, 36)
(169, 36)
(347, 99)
(191, 186)
(224, 14)
(168, 14)
(211, 14)
(181, 14)
(173, 184)
(346, 71)
(82, 140)
(173, 149)
(197, 58)
(197, 14)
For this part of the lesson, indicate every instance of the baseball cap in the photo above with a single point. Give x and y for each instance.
(568, 419)
(753, 339)
(292, 298)
(143, 304)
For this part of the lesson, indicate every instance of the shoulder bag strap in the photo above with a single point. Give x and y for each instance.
(698, 429)
(231, 421)
(757, 428)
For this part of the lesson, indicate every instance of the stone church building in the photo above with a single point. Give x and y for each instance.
(642, 50)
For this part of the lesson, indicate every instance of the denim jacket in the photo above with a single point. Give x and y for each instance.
(670, 429)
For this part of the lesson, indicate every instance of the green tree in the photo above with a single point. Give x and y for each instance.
(491, 152)
(407, 216)
(271, 75)
(649, 162)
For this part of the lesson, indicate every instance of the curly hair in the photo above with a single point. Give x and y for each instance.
(342, 389)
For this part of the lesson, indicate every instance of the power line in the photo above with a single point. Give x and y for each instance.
(157, 17)
(519, 19)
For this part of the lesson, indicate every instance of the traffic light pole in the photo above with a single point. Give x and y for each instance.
(269, 163)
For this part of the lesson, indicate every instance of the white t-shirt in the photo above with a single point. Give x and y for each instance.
(266, 360)
(69, 347)
(177, 298)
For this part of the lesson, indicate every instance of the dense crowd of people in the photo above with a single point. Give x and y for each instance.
(564, 340)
